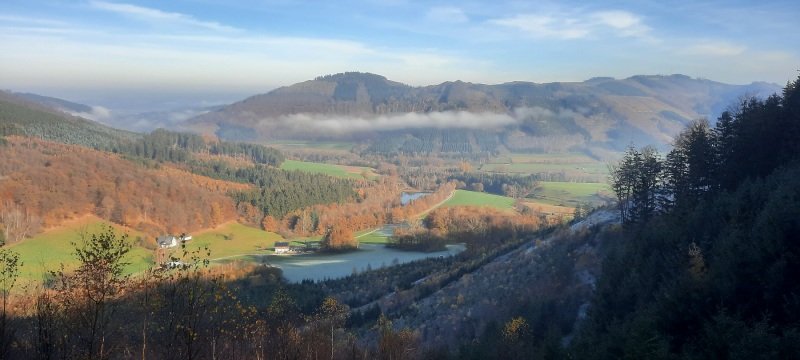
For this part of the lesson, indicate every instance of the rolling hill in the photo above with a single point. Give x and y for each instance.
(520, 116)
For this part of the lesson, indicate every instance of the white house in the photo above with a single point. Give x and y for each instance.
(169, 241)
(282, 247)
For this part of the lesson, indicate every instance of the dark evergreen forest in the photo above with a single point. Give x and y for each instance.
(711, 248)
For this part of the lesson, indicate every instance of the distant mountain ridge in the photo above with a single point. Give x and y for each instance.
(56, 103)
(606, 112)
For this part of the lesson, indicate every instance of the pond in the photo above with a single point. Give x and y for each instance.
(405, 197)
(331, 266)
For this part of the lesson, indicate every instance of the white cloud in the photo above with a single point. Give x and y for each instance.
(450, 15)
(345, 125)
(626, 24)
(98, 113)
(544, 26)
(155, 15)
(575, 25)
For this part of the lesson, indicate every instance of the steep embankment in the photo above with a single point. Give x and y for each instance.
(549, 279)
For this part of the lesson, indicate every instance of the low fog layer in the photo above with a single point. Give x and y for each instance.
(342, 125)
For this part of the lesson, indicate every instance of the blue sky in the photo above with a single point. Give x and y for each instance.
(247, 47)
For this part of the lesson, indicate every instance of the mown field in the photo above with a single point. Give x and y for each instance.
(571, 194)
(472, 198)
(561, 167)
(328, 169)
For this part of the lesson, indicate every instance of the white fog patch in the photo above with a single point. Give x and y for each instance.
(98, 113)
(542, 113)
(437, 120)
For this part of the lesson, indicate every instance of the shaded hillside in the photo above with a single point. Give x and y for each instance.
(601, 111)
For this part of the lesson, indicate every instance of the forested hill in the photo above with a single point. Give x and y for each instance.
(19, 116)
(604, 111)
(708, 264)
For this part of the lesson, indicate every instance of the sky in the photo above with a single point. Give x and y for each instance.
(155, 54)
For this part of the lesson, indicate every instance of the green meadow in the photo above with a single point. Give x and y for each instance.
(472, 198)
(231, 240)
(328, 169)
(47, 251)
(531, 168)
(572, 193)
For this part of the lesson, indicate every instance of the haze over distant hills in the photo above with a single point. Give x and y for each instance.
(604, 112)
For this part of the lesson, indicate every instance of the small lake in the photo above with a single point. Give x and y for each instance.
(331, 266)
(405, 197)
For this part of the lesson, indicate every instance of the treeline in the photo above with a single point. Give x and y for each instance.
(480, 228)
(708, 262)
(497, 183)
(276, 192)
(748, 142)
(171, 146)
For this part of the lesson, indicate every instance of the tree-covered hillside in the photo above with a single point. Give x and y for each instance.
(711, 249)
(602, 112)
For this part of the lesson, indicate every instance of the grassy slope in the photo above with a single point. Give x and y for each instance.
(47, 251)
(471, 198)
(232, 240)
(327, 169)
(570, 194)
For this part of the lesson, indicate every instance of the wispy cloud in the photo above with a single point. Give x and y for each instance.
(345, 125)
(30, 20)
(565, 25)
(722, 49)
(155, 15)
(451, 15)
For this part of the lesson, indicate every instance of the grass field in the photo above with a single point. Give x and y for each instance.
(318, 145)
(571, 194)
(472, 198)
(328, 169)
(530, 168)
(232, 240)
(562, 167)
(47, 251)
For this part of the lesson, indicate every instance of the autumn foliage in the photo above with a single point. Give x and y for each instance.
(45, 183)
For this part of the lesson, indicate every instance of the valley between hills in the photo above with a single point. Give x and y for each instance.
(602, 219)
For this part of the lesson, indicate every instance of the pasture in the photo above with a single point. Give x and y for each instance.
(230, 240)
(472, 198)
(351, 172)
(571, 194)
(557, 167)
(48, 250)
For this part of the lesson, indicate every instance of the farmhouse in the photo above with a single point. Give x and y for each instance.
(282, 247)
(169, 241)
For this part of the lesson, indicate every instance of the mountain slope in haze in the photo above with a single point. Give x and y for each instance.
(602, 111)
(20, 116)
(56, 103)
